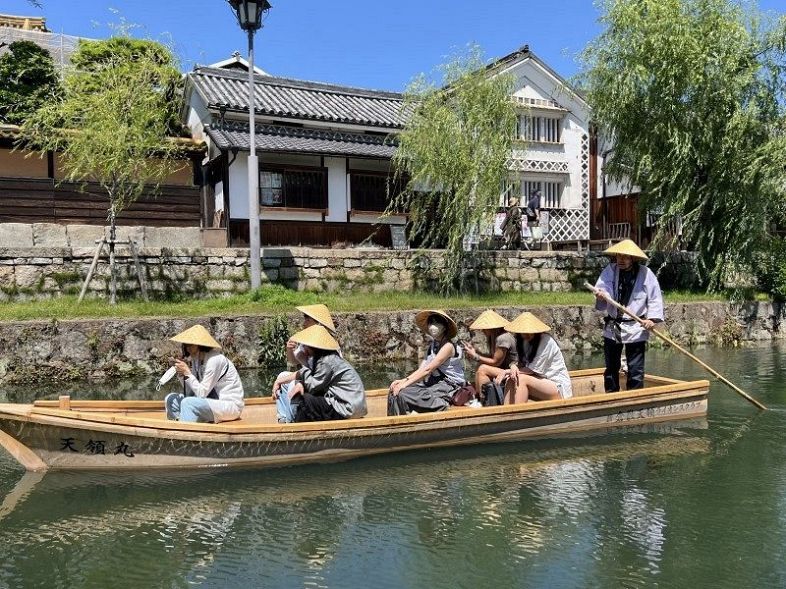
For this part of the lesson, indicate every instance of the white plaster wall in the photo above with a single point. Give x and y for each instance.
(238, 186)
(198, 117)
(337, 189)
(532, 81)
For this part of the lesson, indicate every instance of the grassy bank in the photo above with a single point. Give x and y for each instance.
(277, 299)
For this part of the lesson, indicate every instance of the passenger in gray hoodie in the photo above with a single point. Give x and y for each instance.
(323, 389)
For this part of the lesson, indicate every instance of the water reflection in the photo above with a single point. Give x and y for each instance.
(661, 505)
(204, 527)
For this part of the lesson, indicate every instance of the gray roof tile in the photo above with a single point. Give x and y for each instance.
(299, 99)
(300, 140)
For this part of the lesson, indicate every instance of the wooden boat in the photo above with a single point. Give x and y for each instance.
(115, 435)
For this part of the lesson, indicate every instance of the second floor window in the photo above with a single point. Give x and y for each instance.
(540, 129)
(293, 187)
(550, 193)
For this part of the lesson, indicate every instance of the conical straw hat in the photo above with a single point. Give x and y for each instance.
(527, 323)
(421, 320)
(198, 336)
(320, 314)
(489, 320)
(626, 247)
(316, 336)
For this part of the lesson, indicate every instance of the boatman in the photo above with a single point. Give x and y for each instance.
(630, 283)
(212, 391)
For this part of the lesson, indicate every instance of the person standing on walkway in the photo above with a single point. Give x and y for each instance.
(511, 226)
(630, 283)
(533, 216)
(212, 391)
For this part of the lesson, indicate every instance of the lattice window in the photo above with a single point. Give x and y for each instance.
(540, 129)
(523, 165)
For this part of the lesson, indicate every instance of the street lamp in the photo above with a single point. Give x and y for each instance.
(249, 16)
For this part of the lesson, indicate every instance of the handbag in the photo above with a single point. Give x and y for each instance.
(495, 395)
(463, 395)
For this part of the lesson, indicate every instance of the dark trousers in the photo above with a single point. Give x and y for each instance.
(314, 408)
(613, 354)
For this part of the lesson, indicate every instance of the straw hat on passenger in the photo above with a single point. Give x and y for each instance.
(421, 320)
(316, 336)
(320, 314)
(489, 320)
(626, 247)
(198, 336)
(527, 323)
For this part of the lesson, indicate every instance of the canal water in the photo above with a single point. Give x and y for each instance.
(690, 504)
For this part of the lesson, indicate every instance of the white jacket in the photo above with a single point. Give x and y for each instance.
(217, 372)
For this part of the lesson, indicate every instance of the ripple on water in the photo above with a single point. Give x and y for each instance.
(661, 506)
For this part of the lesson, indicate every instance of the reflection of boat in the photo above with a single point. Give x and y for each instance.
(134, 434)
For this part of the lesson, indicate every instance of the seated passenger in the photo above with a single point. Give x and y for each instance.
(312, 315)
(431, 387)
(540, 373)
(501, 346)
(325, 387)
(296, 355)
(212, 390)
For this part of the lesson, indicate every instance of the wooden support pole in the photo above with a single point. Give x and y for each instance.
(99, 248)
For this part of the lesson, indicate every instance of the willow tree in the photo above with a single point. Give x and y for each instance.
(110, 125)
(692, 94)
(453, 154)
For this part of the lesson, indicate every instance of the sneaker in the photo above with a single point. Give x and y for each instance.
(475, 404)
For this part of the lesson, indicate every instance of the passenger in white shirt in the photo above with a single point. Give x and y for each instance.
(541, 373)
(212, 390)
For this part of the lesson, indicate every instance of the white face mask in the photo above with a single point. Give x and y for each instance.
(435, 330)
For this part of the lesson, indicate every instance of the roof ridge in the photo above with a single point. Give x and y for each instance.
(302, 84)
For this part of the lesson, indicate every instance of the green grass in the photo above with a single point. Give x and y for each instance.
(277, 299)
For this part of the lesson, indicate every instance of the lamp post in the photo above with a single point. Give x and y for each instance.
(249, 16)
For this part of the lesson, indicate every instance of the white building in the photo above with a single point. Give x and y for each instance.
(325, 152)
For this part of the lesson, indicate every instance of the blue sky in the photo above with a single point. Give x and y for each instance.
(367, 43)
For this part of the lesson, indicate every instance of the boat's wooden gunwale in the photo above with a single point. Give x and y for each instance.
(469, 419)
(149, 405)
(373, 426)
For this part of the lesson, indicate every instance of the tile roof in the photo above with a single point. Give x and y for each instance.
(300, 140)
(297, 99)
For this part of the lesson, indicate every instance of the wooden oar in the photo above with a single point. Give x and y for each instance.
(674, 344)
(24, 455)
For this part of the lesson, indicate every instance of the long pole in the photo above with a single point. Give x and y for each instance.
(253, 176)
(671, 342)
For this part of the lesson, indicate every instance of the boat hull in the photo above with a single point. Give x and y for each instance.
(100, 442)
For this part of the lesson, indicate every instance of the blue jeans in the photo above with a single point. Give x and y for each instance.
(285, 409)
(188, 409)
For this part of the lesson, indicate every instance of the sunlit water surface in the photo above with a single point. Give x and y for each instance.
(691, 504)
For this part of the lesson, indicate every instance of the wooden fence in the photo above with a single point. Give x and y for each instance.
(25, 200)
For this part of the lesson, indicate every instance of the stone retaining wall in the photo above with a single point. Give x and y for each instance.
(42, 272)
(47, 351)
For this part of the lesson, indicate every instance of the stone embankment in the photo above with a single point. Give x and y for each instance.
(46, 351)
(34, 273)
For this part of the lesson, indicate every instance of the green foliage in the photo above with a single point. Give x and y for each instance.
(692, 94)
(126, 51)
(456, 144)
(273, 339)
(27, 81)
(110, 123)
(278, 296)
(770, 269)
